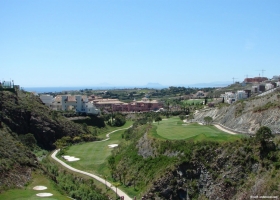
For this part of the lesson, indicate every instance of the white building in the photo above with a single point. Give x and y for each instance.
(231, 97)
(255, 89)
(269, 86)
(47, 99)
(241, 94)
(276, 78)
(78, 103)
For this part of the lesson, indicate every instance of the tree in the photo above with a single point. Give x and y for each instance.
(158, 119)
(208, 120)
(191, 117)
(263, 134)
(205, 101)
(29, 140)
(119, 120)
(182, 117)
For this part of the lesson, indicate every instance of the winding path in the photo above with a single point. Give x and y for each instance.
(119, 192)
(225, 130)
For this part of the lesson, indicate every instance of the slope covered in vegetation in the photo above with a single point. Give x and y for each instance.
(164, 169)
(25, 124)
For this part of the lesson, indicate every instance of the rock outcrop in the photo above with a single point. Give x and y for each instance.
(247, 116)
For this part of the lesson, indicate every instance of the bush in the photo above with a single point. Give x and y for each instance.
(119, 120)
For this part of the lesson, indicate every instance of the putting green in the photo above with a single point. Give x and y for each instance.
(174, 129)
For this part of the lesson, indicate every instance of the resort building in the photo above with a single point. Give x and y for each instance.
(47, 100)
(269, 86)
(231, 97)
(136, 106)
(78, 103)
(241, 94)
(255, 80)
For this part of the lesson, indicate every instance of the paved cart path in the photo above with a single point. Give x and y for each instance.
(119, 191)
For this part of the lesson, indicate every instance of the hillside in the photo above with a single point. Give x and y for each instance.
(183, 169)
(26, 123)
(23, 113)
(247, 115)
(161, 169)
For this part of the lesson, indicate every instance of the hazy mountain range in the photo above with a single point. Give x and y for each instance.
(106, 86)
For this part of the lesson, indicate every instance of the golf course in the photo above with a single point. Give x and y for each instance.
(174, 129)
(93, 155)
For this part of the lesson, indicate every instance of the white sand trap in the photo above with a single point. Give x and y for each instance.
(112, 145)
(39, 187)
(73, 159)
(164, 119)
(70, 158)
(44, 194)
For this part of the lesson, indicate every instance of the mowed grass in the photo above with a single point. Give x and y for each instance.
(93, 155)
(195, 101)
(175, 129)
(29, 194)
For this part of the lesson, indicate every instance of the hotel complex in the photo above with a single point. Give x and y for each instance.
(92, 105)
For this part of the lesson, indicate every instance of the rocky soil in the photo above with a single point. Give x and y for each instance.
(247, 116)
(24, 113)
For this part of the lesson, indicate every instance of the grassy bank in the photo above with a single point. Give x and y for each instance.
(29, 194)
(175, 129)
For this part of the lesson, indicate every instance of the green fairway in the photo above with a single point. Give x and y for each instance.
(195, 101)
(94, 154)
(175, 129)
(29, 194)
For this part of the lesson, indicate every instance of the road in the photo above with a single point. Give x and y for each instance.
(119, 192)
(225, 130)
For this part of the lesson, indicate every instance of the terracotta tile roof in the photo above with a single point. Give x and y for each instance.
(71, 98)
(57, 98)
(84, 97)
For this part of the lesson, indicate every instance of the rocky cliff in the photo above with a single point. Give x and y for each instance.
(248, 115)
(22, 114)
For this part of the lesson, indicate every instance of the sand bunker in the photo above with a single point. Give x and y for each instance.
(39, 187)
(44, 194)
(70, 158)
(112, 145)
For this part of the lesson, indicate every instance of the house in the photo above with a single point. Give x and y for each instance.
(78, 103)
(136, 106)
(255, 89)
(47, 100)
(241, 94)
(231, 97)
(255, 80)
(269, 86)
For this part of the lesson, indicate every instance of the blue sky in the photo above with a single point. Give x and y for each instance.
(51, 43)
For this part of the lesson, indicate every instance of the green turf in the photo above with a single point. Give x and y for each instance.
(174, 129)
(190, 101)
(93, 155)
(29, 194)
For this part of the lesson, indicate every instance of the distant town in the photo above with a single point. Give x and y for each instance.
(94, 104)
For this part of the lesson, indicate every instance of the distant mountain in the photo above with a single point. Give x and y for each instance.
(211, 84)
(154, 85)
